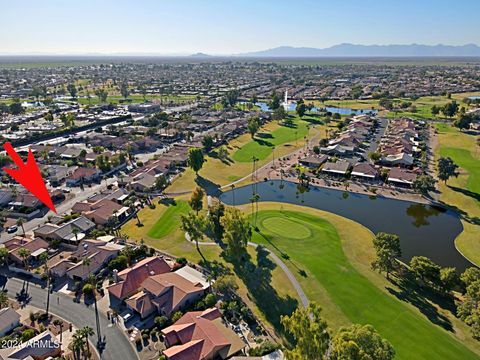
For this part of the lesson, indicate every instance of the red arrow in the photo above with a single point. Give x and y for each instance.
(29, 176)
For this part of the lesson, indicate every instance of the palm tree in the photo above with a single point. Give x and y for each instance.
(20, 222)
(75, 232)
(93, 280)
(254, 200)
(24, 254)
(254, 159)
(59, 323)
(233, 193)
(44, 259)
(87, 331)
(77, 344)
(273, 156)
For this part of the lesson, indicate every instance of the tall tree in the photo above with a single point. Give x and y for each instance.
(469, 309)
(207, 143)
(310, 332)
(124, 90)
(301, 108)
(24, 254)
(360, 342)
(424, 184)
(196, 201)
(446, 168)
(44, 260)
(253, 124)
(195, 159)
(236, 232)
(387, 247)
(72, 89)
(194, 226)
(425, 269)
(21, 222)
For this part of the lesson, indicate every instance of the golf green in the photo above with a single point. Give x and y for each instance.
(321, 256)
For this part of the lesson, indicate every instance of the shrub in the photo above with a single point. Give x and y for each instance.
(161, 321)
(210, 300)
(176, 316)
(27, 335)
(266, 348)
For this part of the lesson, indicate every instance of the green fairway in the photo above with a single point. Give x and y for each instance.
(462, 192)
(465, 159)
(169, 220)
(318, 249)
(262, 145)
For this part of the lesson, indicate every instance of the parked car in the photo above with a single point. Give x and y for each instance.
(12, 229)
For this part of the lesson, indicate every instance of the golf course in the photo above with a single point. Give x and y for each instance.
(462, 192)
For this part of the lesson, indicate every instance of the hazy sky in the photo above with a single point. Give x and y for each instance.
(228, 26)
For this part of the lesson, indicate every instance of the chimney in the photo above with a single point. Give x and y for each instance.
(115, 275)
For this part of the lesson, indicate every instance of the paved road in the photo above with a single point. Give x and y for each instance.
(118, 346)
(64, 207)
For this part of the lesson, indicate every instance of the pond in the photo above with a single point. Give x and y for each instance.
(474, 97)
(423, 229)
(334, 110)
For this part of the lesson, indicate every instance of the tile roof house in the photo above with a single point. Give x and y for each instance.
(165, 294)
(102, 212)
(82, 175)
(27, 201)
(130, 279)
(201, 335)
(98, 252)
(9, 320)
(35, 246)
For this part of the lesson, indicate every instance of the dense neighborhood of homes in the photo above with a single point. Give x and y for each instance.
(104, 162)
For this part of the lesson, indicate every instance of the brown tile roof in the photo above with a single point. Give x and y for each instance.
(201, 327)
(132, 278)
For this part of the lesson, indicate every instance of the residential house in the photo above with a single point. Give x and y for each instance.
(336, 168)
(402, 177)
(70, 232)
(41, 347)
(165, 294)
(35, 246)
(99, 253)
(201, 335)
(128, 281)
(83, 175)
(9, 320)
(365, 171)
(103, 212)
(313, 162)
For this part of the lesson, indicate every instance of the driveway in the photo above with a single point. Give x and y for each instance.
(117, 345)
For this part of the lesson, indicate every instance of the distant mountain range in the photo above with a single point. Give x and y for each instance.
(352, 50)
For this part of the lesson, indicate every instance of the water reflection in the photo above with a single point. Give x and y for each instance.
(420, 213)
(423, 229)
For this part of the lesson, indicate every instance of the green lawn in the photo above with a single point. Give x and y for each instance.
(262, 145)
(462, 192)
(316, 246)
(169, 220)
